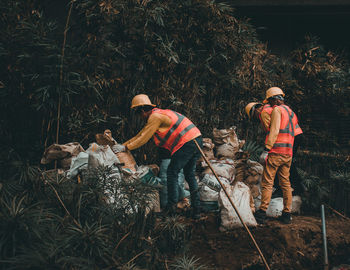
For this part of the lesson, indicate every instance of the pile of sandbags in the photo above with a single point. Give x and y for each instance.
(250, 173)
(226, 144)
(238, 174)
(76, 162)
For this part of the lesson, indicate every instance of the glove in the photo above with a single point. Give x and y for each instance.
(263, 156)
(119, 148)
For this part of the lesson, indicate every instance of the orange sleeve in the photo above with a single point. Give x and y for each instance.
(153, 123)
(274, 127)
(265, 119)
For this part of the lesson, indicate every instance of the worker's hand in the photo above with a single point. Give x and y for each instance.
(263, 156)
(119, 148)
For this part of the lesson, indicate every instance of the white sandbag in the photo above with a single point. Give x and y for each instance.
(100, 155)
(240, 195)
(62, 152)
(254, 167)
(209, 187)
(79, 163)
(276, 206)
(229, 136)
(207, 194)
(226, 150)
(223, 168)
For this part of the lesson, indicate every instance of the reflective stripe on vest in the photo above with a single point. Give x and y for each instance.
(181, 131)
(290, 123)
(163, 140)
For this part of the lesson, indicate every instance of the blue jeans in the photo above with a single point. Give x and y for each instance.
(185, 158)
(163, 193)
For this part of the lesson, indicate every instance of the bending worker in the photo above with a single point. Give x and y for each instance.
(278, 151)
(176, 133)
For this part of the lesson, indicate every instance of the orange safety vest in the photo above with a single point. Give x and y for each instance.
(267, 108)
(180, 131)
(285, 139)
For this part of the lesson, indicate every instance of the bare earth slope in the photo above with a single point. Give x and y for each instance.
(295, 246)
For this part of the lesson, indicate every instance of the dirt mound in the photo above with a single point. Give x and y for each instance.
(294, 246)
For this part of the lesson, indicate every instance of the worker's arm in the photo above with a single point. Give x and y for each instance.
(265, 120)
(275, 125)
(153, 123)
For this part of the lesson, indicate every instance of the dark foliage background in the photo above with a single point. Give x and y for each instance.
(70, 69)
(192, 56)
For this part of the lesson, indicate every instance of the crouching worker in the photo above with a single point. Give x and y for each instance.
(176, 133)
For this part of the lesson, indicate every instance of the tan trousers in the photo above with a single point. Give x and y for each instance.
(279, 164)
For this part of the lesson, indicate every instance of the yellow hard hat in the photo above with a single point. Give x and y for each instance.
(249, 107)
(141, 100)
(273, 91)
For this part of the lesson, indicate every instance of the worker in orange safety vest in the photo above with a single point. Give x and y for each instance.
(281, 125)
(175, 133)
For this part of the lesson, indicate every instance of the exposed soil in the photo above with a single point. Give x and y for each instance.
(294, 246)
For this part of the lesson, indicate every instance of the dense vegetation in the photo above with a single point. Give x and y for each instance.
(67, 79)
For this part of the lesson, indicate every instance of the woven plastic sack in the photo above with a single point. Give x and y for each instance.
(226, 150)
(254, 167)
(276, 206)
(79, 163)
(100, 155)
(61, 151)
(240, 195)
(229, 136)
(209, 187)
(127, 159)
(222, 169)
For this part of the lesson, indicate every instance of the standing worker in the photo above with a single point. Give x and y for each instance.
(275, 96)
(262, 112)
(278, 151)
(176, 133)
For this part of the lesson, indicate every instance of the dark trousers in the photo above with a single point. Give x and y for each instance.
(185, 158)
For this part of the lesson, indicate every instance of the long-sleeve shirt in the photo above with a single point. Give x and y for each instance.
(156, 122)
(265, 120)
(275, 124)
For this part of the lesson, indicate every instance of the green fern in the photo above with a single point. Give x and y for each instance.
(187, 263)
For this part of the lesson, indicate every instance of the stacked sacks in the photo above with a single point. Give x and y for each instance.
(209, 186)
(250, 173)
(239, 175)
(226, 141)
(226, 145)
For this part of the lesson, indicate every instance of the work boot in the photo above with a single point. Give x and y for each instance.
(260, 216)
(285, 218)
